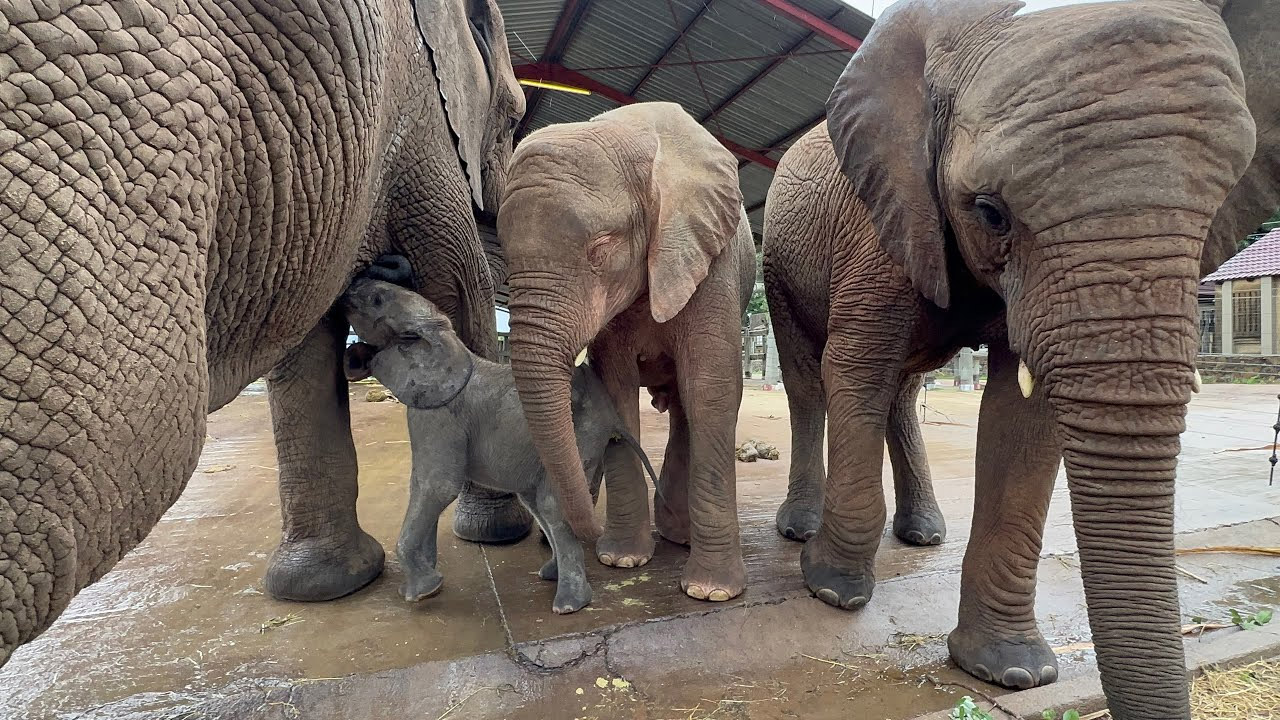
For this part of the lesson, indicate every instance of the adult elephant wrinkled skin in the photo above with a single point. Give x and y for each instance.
(626, 238)
(1053, 182)
(185, 188)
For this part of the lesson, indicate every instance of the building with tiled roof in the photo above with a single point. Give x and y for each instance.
(1238, 302)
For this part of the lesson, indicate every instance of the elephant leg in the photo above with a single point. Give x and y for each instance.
(416, 548)
(800, 359)
(671, 498)
(323, 552)
(917, 519)
(628, 538)
(710, 389)
(996, 639)
(485, 516)
(573, 592)
(860, 370)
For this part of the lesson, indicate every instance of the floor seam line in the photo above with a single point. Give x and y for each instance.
(502, 613)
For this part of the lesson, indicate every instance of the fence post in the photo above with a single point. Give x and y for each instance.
(1266, 315)
(1228, 320)
(965, 367)
(772, 368)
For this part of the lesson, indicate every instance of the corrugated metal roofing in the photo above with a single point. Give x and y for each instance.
(1261, 259)
(752, 74)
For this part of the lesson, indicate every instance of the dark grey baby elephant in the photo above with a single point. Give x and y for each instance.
(466, 422)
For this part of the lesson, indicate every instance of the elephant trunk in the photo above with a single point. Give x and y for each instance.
(543, 346)
(1115, 347)
(1121, 486)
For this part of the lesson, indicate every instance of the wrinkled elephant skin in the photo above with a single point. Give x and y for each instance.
(186, 188)
(1047, 181)
(627, 243)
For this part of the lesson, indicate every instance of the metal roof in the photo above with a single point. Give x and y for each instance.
(756, 73)
(1261, 259)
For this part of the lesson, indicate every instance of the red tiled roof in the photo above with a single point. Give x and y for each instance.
(1260, 259)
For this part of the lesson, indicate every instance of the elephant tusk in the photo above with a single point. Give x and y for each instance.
(582, 357)
(1195, 382)
(1026, 383)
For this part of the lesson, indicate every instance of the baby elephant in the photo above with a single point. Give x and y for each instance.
(466, 422)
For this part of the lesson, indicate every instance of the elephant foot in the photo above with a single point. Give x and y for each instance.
(799, 519)
(625, 552)
(572, 594)
(317, 569)
(485, 517)
(714, 581)
(847, 588)
(672, 526)
(550, 571)
(1013, 661)
(920, 525)
(422, 585)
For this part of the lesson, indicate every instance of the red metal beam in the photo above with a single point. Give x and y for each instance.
(571, 14)
(672, 47)
(551, 72)
(815, 23)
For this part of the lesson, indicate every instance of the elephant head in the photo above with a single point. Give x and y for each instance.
(1069, 160)
(407, 344)
(635, 202)
(482, 98)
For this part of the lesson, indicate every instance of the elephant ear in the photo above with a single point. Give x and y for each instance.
(884, 117)
(697, 199)
(426, 371)
(459, 35)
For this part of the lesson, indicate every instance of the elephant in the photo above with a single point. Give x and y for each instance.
(1051, 180)
(465, 420)
(627, 243)
(187, 189)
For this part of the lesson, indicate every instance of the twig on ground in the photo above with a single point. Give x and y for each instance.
(1188, 573)
(1243, 549)
(499, 689)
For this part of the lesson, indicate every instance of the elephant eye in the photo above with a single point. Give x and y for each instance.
(993, 214)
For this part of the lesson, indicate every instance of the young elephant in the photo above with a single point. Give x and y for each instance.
(466, 423)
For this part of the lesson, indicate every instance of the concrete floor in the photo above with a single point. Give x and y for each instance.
(180, 629)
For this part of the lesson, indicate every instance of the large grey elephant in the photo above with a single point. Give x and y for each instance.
(185, 188)
(1052, 181)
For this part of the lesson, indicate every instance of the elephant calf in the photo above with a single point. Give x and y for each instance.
(466, 422)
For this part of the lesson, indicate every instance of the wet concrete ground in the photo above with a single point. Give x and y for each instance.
(181, 630)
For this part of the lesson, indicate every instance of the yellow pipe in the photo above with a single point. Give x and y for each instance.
(546, 85)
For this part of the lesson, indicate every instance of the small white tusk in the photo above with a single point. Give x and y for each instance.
(582, 357)
(1026, 383)
(1195, 382)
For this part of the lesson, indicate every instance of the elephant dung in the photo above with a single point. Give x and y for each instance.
(378, 394)
(753, 450)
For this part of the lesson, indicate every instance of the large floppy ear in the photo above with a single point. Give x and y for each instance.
(459, 34)
(426, 371)
(697, 201)
(880, 119)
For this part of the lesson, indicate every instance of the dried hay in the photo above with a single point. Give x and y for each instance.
(1248, 692)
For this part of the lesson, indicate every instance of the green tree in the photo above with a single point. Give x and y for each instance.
(1271, 224)
(757, 304)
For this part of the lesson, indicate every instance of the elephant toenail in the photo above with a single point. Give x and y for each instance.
(916, 537)
(696, 592)
(717, 596)
(642, 561)
(935, 539)
(1016, 677)
(854, 602)
(606, 558)
(1048, 674)
(982, 673)
(809, 533)
(626, 562)
(790, 533)
(829, 596)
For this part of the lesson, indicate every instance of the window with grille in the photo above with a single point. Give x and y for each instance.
(1246, 314)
